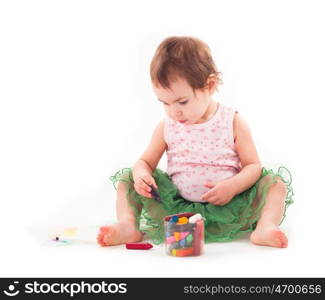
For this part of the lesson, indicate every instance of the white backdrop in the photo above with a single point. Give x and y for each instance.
(76, 105)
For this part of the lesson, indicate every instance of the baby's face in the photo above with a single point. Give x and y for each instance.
(181, 104)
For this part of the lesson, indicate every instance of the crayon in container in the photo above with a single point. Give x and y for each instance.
(184, 234)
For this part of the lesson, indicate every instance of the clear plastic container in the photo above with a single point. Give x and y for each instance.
(184, 238)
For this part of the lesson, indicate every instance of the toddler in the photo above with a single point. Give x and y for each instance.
(213, 166)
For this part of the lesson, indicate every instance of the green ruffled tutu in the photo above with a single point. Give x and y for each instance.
(222, 223)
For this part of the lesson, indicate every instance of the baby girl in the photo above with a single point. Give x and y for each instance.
(213, 166)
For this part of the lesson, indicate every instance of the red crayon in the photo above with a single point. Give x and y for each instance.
(138, 246)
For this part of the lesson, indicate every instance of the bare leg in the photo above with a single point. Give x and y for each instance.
(124, 231)
(267, 232)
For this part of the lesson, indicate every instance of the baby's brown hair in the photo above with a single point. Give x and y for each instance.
(183, 56)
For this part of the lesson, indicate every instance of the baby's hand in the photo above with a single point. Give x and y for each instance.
(142, 183)
(220, 193)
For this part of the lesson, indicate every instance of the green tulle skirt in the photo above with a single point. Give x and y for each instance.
(222, 223)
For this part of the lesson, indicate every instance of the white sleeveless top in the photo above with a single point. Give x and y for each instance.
(200, 152)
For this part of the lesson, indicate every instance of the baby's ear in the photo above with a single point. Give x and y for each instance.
(212, 83)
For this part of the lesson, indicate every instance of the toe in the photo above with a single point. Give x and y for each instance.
(103, 229)
(105, 235)
(284, 241)
(281, 239)
(103, 232)
(100, 239)
(284, 245)
(109, 236)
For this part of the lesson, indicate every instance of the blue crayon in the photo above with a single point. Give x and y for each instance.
(174, 219)
(182, 243)
(154, 193)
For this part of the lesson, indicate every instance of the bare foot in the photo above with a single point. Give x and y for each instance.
(119, 233)
(269, 235)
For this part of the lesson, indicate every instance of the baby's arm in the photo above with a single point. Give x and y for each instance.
(147, 163)
(245, 147)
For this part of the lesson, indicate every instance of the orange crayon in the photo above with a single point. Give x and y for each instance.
(183, 252)
(177, 235)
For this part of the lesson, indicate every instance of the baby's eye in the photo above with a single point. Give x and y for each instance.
(183, 102)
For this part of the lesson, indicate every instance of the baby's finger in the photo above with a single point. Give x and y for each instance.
(146, 194)
(147, 179)
(143, 192)
(212, 198)
(153, 182)
(207, 195)
(218, 203)
(144, 185)
(214, 202)
(203, 197)
(209, 184)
